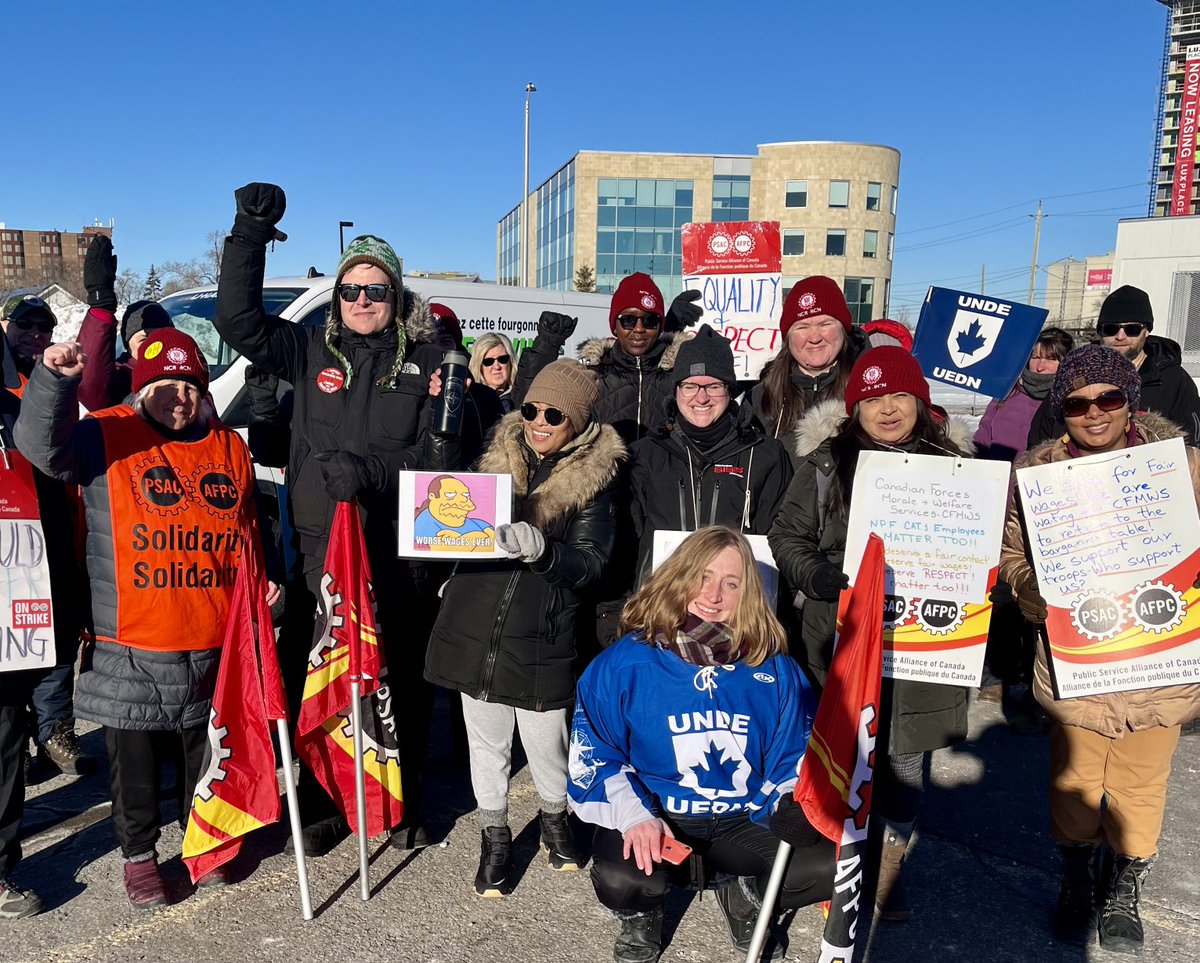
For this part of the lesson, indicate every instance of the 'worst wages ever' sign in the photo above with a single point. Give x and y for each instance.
(737, 268)
(975, 342)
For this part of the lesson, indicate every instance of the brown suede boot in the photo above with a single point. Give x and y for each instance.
(891, 900)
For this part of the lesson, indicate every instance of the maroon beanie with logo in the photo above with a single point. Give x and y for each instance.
(172, 355)
(886, 370)
(635, 291)
(812, 297)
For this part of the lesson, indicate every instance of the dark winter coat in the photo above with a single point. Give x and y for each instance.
(1166, 388)
(506, 630)
(924, 716)
(739, 482)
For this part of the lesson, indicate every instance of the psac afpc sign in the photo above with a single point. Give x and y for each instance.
(974, 341)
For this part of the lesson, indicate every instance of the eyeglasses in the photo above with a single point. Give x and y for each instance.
(45, 327)
(554, 417)
(1110, 328)
(1107, 401)
(689, 389)
(629, 321)
(499, 359)
(375, 292)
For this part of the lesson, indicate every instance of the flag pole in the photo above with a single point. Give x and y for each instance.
(360, 787)
(769, 898)
(289, 783)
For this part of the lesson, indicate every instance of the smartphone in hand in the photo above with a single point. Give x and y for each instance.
(674, 852)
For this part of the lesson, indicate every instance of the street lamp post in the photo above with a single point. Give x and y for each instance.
(529, 89)
(342, 225)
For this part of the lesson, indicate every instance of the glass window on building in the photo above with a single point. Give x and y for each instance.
(510, 248)
(796, 194)
(555, 222)
(638, 229)
(731, 197)
(835, 243)
(893, 202)
(870, 243)
(860, 294)
(891, 245)
(793, 242)
(874, 194)
(789, 281)
(839, 193)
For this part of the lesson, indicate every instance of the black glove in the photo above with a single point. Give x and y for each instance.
(263, 389)
(558, 325)
(100, 273)
(1001, 594)
(348, 475)
(683, 312)
(259, 208)
(789, 823)
(829, 581)
(1032, 606)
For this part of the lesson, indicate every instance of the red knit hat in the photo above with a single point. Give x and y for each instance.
(811, 297)
(169, 353)
(635, 291)
(886, 370)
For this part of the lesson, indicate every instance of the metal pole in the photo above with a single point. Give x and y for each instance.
(774, 884)
(360, 789)
(342, 225)
(529, 89)
(1037, 236)
(982, 276)
(293, 802)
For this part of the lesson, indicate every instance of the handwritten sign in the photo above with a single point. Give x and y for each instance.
(737, 268)
(446, 515)
(666, 541)
(26, 620)
(1115, 543)
(941, 519)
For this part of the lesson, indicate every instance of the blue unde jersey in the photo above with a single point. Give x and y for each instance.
(654, 735)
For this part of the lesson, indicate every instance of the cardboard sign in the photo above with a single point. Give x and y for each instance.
(26, 619)
(941, 519)
(446, 515)
(737, 268)
(666, 541)
(1115, 543)
(975, 342)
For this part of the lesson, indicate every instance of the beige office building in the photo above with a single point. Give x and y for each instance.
(619, 213)
(1075, 290)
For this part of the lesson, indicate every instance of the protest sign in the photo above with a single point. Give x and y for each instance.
(25, 613)
(973, 341)
(1115, 543)
(941, 519)
(452, 514)
(737, 268)
(666, 541)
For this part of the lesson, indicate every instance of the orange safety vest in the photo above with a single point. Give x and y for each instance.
(178, 511)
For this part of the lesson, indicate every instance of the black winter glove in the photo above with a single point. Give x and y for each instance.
(829, 581)
(263, 389)
(683, 312)
(100, 273)
(789, 823)
(348, 475)
(558, 325)
(259, 208)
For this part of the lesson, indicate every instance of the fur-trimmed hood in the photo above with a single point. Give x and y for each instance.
(822, 422)
(580, 472)
(598, 351)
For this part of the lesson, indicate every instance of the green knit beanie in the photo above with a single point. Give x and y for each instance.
(368, 249)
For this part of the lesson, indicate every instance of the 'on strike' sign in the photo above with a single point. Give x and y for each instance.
(26, 623)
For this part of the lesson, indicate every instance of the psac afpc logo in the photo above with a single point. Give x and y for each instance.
(722, 244)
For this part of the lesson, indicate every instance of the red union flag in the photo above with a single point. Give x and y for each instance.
(349, 646)
(1185, 150)
(836, 775)
(237, 792)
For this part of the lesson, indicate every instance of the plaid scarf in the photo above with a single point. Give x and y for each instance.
(700, 643)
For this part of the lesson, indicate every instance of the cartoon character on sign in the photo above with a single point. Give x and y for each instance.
(444, 523)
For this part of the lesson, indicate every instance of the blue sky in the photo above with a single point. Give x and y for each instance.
(407, 118)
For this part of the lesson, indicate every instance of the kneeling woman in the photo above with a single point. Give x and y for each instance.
(505, 636)
(692, 728)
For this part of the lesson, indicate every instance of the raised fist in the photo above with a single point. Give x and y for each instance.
(100, 273)
(684, 311)
(558, 325)
(259, 208)
(66, 359)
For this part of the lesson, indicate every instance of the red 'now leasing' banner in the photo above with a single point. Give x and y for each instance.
(1185, 152)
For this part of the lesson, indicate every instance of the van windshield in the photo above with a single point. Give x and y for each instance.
(193, 314)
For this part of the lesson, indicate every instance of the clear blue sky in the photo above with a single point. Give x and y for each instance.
(406, 118)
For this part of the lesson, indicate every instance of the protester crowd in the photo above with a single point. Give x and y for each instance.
(615, 666)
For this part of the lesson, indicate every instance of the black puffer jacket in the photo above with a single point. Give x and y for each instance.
(1166, 388)
(506, 630)
(924, 716)
(740, 481)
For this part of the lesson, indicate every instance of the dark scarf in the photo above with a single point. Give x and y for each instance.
(706, 439)
(810, 387)
(700, 643)
(1036, 385)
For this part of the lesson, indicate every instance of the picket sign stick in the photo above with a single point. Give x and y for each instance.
(774, 885)
(289, 784)
(360, 788)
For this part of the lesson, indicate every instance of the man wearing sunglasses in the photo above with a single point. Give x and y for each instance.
(1125, 324)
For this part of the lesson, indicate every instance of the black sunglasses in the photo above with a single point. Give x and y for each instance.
(1107, 401)
(499, 359)
(553, 416)
(1110, 328)
(46, 327)
(375, 292)
(629, 321)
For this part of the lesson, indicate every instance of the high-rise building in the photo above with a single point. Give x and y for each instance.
(621, 212)
(43, 255)
(1172, 174)
(1075, 289)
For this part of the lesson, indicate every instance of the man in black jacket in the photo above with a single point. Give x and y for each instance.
(361, 415)
(1125, 322)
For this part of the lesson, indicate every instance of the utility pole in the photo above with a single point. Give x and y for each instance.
(1037, 236)
(529, 89)
(982, 276)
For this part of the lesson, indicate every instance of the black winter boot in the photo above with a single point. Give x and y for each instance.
(495, 862)
(558, 841)
(640, 939)
(1076, 916)
(740, 902)
(1120, 924)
